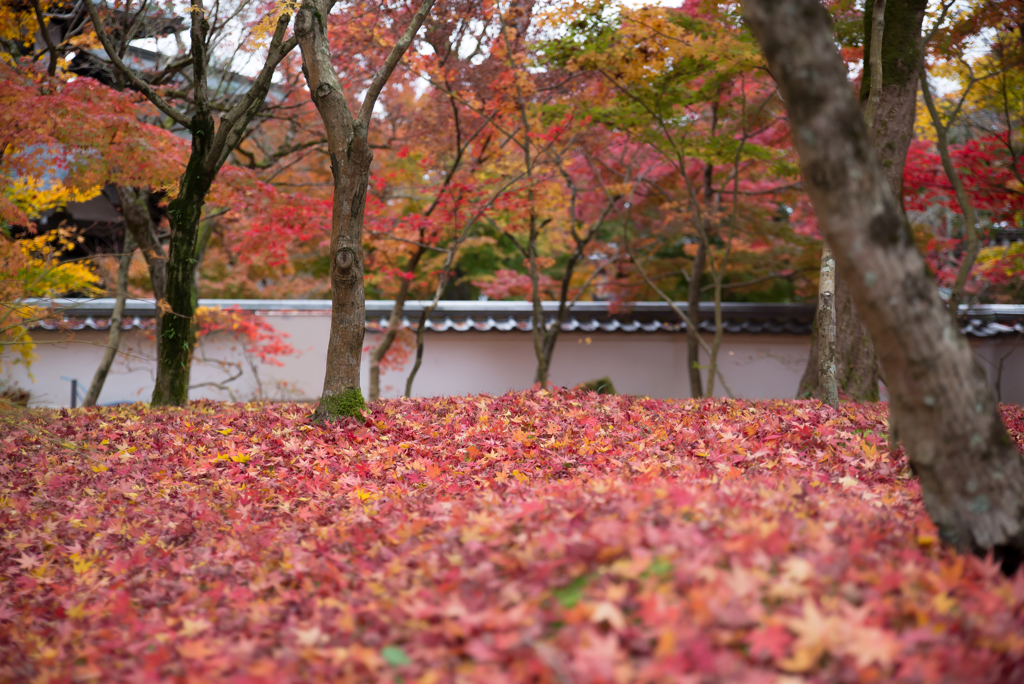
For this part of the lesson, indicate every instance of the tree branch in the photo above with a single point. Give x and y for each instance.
(384, 73)
(133, 78)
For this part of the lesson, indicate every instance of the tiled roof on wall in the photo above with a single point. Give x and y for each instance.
(462, 316)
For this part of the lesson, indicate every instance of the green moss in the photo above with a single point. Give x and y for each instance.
(348, 403)
(601, 385)
(900, 38)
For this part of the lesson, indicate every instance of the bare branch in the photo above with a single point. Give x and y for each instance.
(384, 73)
(132, 77)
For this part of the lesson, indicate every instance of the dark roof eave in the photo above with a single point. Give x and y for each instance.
(463, 316)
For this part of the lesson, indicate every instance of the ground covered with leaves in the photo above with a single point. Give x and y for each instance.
(534, 537)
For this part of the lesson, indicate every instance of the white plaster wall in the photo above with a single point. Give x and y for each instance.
(653, 364)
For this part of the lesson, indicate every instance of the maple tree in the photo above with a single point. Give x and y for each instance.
(66, 136)
(687, 87)
(965, 170)
(212, 140)
(972, 475)
(535, 536)
(348, 144)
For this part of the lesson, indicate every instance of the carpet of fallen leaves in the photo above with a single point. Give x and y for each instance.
(534, 537)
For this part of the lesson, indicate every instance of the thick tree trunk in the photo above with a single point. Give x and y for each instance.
(693, 331)
(972, 476)
(114, 336)
(342, 394)
(892, 130)
(350, 165)
(351, 157)
(177, 336)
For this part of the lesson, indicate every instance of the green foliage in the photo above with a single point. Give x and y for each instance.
(571, 593)
(394, 656)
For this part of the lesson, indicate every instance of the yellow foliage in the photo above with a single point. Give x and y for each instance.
(264, 28)
(31, 268)
(34, 196)
(17, 21)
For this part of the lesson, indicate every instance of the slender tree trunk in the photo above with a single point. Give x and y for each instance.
(972, 475)
(892, 130)
(693, 311)
(539, 331)
(139, 223)
(394, 323)
(971, 244)
(716, 341)
(550, 337)
(114, 336)
(827, 328)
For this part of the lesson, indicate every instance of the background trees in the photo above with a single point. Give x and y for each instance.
(584, 150)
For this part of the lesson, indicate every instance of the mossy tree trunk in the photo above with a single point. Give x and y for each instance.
(892, 130)
(351, 156)
(177, 337)
(211, 145)
(971, 473)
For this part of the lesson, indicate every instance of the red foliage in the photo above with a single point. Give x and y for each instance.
(531, 537)
(259, 338)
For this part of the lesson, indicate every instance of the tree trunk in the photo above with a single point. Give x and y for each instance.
(971, 244)
(826, 325)
(351, 157)
(211, 146)
(139, 224)
(177, 336)
(892, 130)
(114, 336)
(693, 311)
(972, 476)
(394, 323)
(342, 394)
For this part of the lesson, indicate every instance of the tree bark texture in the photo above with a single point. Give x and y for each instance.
(892, 129)
(693, 331)
(177, 338)
(114, 336)
(972, 476)
(827, 328)
(351, 157)
(139, 224)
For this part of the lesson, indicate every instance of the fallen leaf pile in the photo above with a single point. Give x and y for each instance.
(533, 537)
